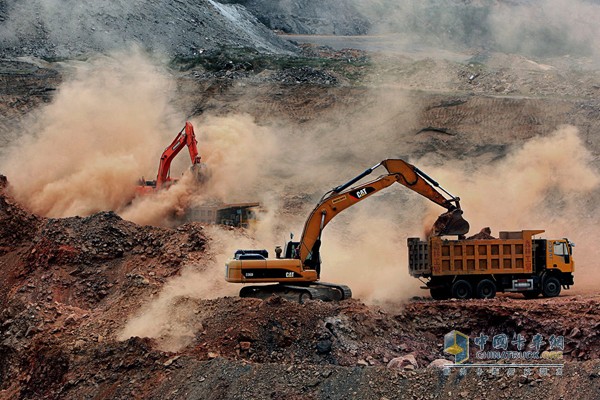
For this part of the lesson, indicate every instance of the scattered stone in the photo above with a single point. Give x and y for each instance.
(439, 363)
(171, 361)
(245, 346)
(324, 346)
(70, 320)
(403, 361)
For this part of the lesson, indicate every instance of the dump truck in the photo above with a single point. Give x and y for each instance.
(515, 262)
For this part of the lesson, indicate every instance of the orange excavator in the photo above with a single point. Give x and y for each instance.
(296, 275)
(185, 137)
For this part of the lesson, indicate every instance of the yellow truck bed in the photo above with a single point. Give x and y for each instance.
(510, 254)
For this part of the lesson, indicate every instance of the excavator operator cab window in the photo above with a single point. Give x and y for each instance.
(292, 249)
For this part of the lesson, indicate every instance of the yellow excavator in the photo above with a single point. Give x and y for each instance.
(295, 275)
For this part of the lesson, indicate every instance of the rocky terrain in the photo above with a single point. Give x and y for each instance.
(306, 17)
(176, 29)
(93, 305)
(70, 284)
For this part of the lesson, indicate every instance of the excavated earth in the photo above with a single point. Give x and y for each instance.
(68, 286)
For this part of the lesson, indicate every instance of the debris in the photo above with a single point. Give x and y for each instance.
(171, 361)
(484, 234)
(439, 363)
(324, 346)
(436, 129)
(403, 362)
(245, 346)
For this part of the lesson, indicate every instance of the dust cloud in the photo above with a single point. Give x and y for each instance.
(105, 128)
(366, 249)
(238, 153)
(547, 183)
(534, 28)
(173, 317)
(164, 207)
(234, 150)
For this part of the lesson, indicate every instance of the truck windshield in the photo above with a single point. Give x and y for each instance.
(560, 249)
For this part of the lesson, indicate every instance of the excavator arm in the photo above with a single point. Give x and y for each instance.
(340, 198)
(185, 137)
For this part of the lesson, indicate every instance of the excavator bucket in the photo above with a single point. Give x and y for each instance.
(200, 172)
(450, 223)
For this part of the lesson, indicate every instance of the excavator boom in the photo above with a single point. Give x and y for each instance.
(185, 137)
(340, 198)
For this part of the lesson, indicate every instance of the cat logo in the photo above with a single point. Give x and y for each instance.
(249, 274)
(289, 274)
(359, 194)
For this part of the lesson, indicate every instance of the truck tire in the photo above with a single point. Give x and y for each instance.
(551, 287)
(439, 293)
(462, 289)
(486, 289)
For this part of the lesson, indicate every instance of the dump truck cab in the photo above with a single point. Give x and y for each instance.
(559, 256)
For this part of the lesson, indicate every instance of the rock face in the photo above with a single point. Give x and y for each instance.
(309, 17)
(44, 29)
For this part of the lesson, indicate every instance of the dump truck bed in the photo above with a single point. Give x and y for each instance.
(511, 254)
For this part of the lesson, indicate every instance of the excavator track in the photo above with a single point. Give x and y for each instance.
(344, 290)
(298, 293)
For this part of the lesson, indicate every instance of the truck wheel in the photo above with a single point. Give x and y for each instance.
(439, 293)
(486, 289)
(462, 289)
(531, 294)
(551, 287)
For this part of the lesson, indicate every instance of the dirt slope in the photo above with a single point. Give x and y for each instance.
(186, 28)
(69, 285)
